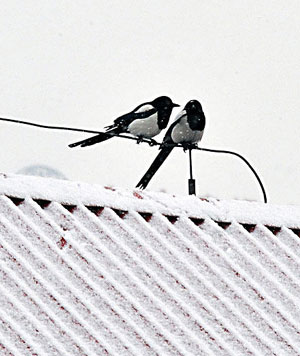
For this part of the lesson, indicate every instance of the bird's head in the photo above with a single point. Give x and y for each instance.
(193, 106)
(164, 102)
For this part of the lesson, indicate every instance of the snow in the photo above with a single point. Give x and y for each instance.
(82, 278)
(73, 193)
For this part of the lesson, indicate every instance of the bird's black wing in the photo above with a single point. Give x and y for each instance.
(126, 119)
(168, 136)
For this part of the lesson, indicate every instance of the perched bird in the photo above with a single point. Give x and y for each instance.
(187, 129)
(145, 121)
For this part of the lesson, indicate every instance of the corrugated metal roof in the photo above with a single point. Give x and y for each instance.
(144, 273)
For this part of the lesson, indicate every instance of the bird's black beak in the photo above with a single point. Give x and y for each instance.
(175, 105)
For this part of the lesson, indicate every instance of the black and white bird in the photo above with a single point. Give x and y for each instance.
(187, 129)
(145, 121)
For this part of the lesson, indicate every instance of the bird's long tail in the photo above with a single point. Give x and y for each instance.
(159, 160)
(103, 136)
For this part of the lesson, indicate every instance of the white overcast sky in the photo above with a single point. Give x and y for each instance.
(82, 63)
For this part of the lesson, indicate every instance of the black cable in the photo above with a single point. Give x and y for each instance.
(242, 158)
(150, 142)
(75, 129)
(47, 126)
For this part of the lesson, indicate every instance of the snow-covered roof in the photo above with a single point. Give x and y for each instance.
(89, 270)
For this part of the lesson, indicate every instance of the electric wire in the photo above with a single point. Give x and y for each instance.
(150, 142)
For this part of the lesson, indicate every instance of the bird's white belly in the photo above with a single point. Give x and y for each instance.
(182, 133)
(147, 128)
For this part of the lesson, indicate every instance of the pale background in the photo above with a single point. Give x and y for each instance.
(82, 63)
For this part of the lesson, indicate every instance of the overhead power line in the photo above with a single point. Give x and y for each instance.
(151, 143)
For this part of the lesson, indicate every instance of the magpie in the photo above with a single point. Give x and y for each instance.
(187, 129)
(145, 121)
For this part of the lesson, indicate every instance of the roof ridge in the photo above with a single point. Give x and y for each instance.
(72, 193)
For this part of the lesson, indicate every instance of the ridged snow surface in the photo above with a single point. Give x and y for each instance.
(87, 270)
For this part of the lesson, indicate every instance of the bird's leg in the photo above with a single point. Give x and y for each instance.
(185, 146)
(150, 141)
(188, 146)
(139, 140)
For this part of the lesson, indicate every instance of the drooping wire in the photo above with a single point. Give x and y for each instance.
(150, 142)
(242, 158)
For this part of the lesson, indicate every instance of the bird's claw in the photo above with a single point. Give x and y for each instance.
(188, 146)
(139, 140)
